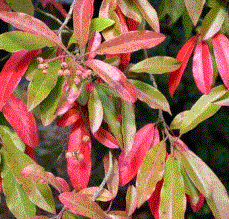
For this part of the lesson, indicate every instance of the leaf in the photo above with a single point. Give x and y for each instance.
(30, 25)
(173, 200)
(40, 195)
(16, 199)
(150, 172)
(70, 117)
(131, 42)
(23, 121)
(130, 163)
(220, 46)
(113, 181)
(156, 65)
(194, 8)
(49, 105)
(79, 164)
(25, 6)
(154, 200)
(202, 67)
(223, 101)
(213, 22)
(4, 6)
(150, 95)
(110, 116)
(94, 42)
(14, 41)
(81, 204)
(41, 84)
(149, 13)
(183, 56)
(106, 138)
(131, 200)
(179, 118)
(100, 24)
(64, 187)
(118, 215)
(130, 10)
(115, 78)
(95, 109)
(104, 196)
(82, 15)
(128, 125)
(207, 183)
(202, 109)
(12, 72)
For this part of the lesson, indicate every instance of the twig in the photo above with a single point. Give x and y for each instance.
(106, 178)
(67, 18)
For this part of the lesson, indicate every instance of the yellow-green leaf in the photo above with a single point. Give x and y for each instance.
(179, 118)
(131, 200)
(24, 6)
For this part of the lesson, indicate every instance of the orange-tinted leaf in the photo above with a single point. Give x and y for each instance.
(64, 187)
(70, 117)
(30, 24)
(4, 6)
(150, 172)
(113, 181)
(17, 114)
(149, 13)
(82, 205)
(79, 159)
(154, 201)
(131, 41)
(13, 70)
(94, 42)
(182, 56)
(104, 196)
(115, 78)
(131, 162)
(202, 67)
(220, 45)
(106, 138)
(131, 200)
(82, 15)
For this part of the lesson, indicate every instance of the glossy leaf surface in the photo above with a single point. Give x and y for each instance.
(94, 42)
(100, 24)
(131, 200)
(156, 65)
(23, 121)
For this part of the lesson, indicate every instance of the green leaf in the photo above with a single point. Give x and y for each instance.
(16, 199)
(128, 125)
(49, 105)
(95, 109)
(179, 118)
(110, 115)
(14, 41)
(173, 200)
(150, 95)
(131, 200)
(41, 85)
(151, 172)
(100, 24)
(84, 95)
(213, 21)
(156, 65)
(24, 6)
(69, 215)
(202, 109)
(39, 194)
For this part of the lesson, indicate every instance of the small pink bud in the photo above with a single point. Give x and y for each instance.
(40, 60)
(76, 80)
(46, 65)
(45, 71)
(64, 65)
(79, 72)
(89, 87)
(40, 66)
(60, 72)
(67, 72)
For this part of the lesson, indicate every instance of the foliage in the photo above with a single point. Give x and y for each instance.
(87, 79)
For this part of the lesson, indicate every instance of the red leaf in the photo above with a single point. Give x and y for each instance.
(131, 162)
(82, 14)
(154, 201)
(31, 152)
(17, 114)
(63, 184)
(0, 183)
(156, 139)
(132, 24)
(4, 6)
(106, 138)
(202, 68)
(115, 78)
(30, 24)
(199, 204)
(182, 56)
(12, 72)
(70, 117)
(131, 42)
(220, 45)
(59, 7)
(94, 42)
(79, 158)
